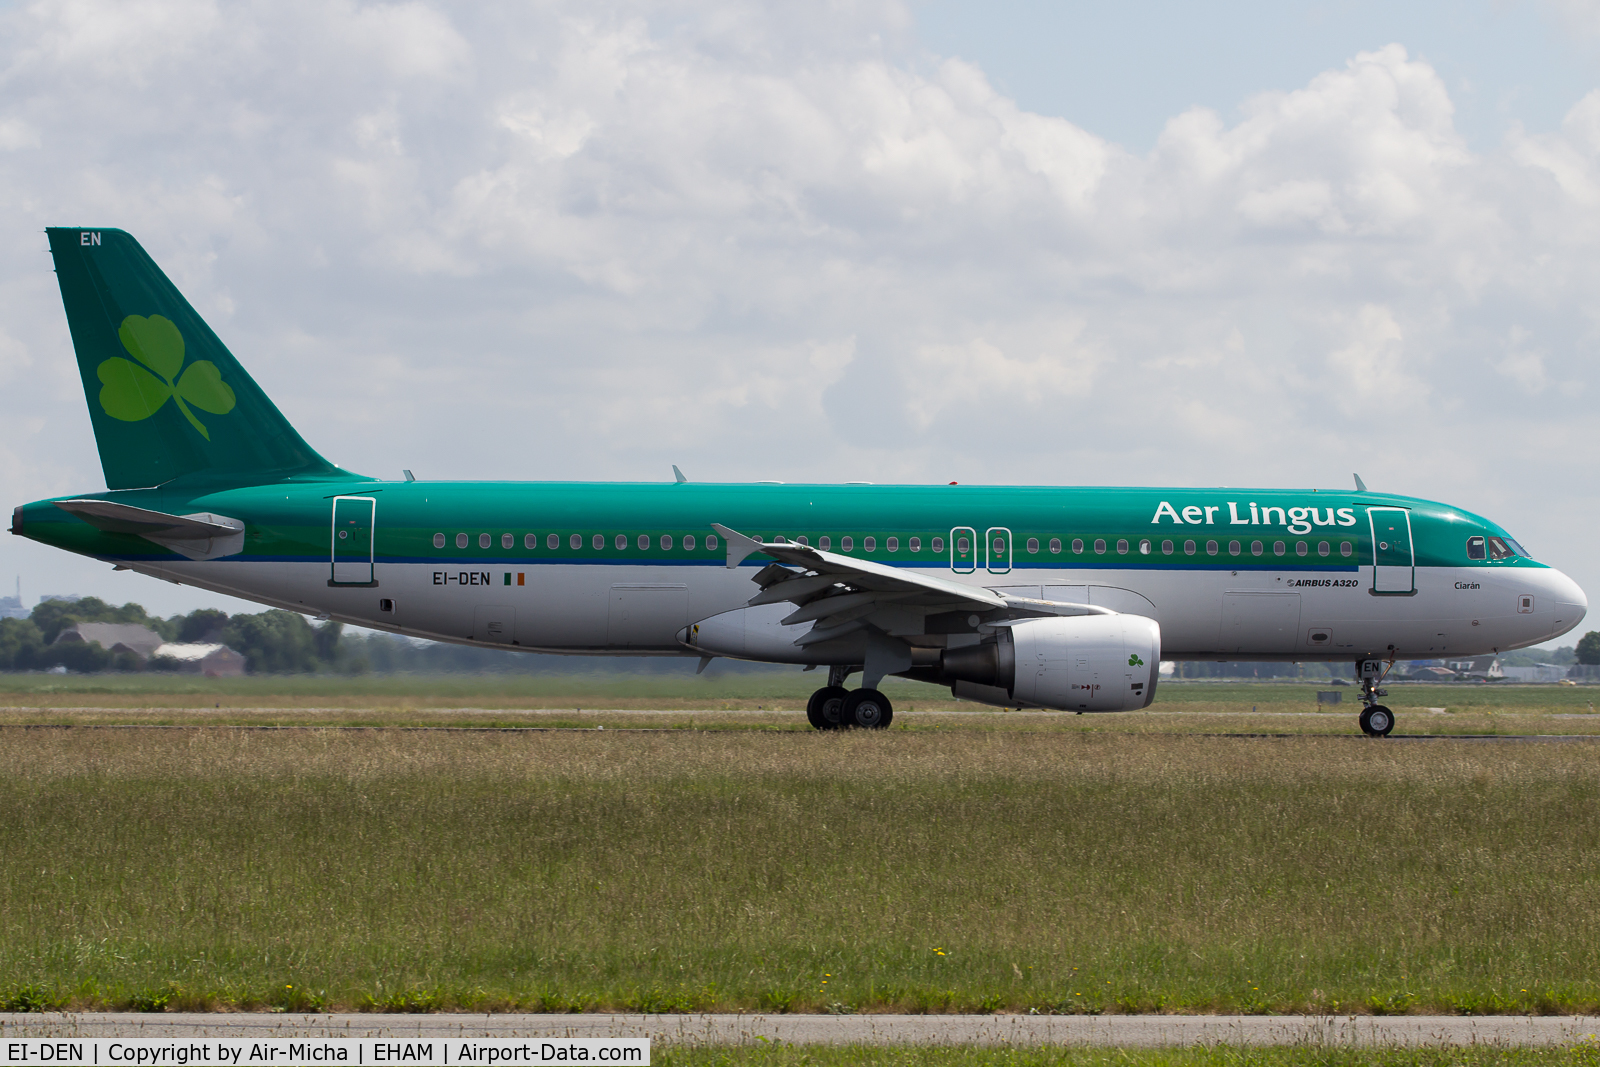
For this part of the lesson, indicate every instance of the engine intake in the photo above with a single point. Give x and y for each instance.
(1078, 663)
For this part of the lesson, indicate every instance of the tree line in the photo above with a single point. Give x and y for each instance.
(284, 642)
(271, 641)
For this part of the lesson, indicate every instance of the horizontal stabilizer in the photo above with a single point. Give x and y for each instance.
(201, 536)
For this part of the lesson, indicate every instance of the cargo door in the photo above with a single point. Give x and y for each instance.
(646, 615)
(1394, 565)
(353, 533)
(1260, 623)
(494, 624)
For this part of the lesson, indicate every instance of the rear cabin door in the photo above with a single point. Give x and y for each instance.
(1394, 564)
(353, 532)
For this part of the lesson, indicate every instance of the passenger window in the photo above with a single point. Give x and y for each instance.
(644, 540)
(894, 544)
(1099, 546)
(1077, 545)
(438, 540)
(1346, 548)
(1055, 545)
(1475, 548)
(999, 546)
(598, 541)
(1166, 548)
(870, 544)
(1033, 545)
(1300, 548)
(1144, 547)
(847, 543)
(1279, 548)
(461, 540)
(531, 541)
(802, 540)
(483, 540)
(508, 540)
(1256, 548)
(938, 544)
(711, 543)
(576, 541)
(1211, 548)
(825, 542)
(1323, 548)
(1188, 548)
(688, 542)
(916, 544)
(666, 542)
(1233, 548)
(552, 541)
(963, 545)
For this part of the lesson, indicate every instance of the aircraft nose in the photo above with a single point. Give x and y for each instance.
(1570, 603)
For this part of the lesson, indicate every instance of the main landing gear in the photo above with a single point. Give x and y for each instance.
(833, 707)
(1376, 720)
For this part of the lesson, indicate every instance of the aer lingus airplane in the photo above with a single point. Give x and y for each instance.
(1063, 598)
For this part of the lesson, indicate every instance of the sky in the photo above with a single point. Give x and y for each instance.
(1241, 244)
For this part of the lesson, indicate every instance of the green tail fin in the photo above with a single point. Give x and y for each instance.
(166, 397)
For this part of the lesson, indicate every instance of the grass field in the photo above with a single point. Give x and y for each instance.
(749, 701)
(936, 869)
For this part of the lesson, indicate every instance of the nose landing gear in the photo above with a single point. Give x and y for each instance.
(833, 707)
(1376, 719)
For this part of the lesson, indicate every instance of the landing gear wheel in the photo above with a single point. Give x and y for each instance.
(1377, 721)
(868, 709)
(824, 708)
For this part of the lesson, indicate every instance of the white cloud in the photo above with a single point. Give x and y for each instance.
(587, 240)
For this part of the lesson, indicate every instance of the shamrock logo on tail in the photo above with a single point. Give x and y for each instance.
(131, 392)
(1135, 661)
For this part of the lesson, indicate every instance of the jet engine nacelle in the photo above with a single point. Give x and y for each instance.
(1077, 663)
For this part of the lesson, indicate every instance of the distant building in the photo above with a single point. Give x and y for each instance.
(113, 637)
(213, 661)
(1485, 667)
(1539, 672)
(65, 598)
(1433, 674)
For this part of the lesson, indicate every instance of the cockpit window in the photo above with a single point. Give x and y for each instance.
(1498, 549)
(1475, 549)
(1518, 549)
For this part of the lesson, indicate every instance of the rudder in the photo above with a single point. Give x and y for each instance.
(166, 397)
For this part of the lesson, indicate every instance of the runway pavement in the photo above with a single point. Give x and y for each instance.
(1124, 1030)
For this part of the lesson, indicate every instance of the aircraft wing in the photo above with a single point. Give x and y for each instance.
(841, 594)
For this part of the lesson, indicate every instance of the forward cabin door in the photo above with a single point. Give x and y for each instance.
(1394, 564)
(353, 533)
